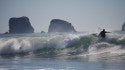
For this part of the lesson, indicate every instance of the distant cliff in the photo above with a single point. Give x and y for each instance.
(57, 25)
(20, 25)
(123, 27)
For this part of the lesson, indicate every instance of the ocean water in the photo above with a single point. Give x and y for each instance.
(82, 51)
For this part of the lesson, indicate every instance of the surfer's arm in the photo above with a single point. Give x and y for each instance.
(107, 32)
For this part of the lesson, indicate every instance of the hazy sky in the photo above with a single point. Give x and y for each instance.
(85, 15)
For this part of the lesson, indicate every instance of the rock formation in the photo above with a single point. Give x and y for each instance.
(20, 25)
(123, 27)
(57, 25)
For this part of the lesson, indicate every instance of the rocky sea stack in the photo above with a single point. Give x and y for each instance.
(58, 25)
(20, 25)
(123, 27)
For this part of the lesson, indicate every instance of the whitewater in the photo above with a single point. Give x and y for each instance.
(62, 51)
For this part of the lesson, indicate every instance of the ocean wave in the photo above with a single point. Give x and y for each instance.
(58, 45)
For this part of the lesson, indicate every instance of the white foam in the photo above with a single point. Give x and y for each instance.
(14, 46)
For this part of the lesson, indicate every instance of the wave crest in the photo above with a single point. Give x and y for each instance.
(58, 45)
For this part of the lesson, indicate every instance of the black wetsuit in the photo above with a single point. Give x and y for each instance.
(102, 34)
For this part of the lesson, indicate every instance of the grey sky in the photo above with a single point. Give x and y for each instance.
(85, 15)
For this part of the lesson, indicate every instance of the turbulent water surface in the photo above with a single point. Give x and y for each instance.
(62, 52)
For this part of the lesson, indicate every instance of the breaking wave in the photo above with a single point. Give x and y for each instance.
(62, 45)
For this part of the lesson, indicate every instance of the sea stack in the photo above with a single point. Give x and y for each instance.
(20, 25)
(58, 25)
(123, 27)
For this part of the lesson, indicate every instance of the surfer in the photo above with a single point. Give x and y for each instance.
(102, 34)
